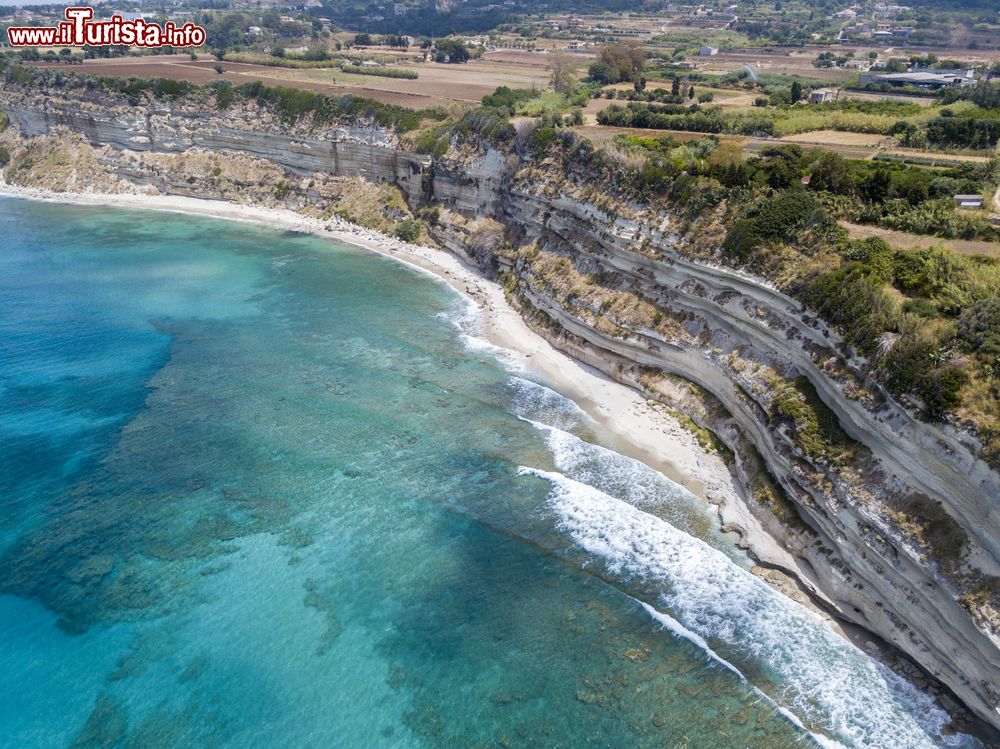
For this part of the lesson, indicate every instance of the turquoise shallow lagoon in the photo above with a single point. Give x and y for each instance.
(256, 490)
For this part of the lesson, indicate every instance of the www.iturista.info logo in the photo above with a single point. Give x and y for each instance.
(80, 29)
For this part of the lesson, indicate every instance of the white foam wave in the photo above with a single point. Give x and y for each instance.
(545, 407)
(800, 662)
(638, 484)
(511, 360)
(668, 622)
(468, 321)
(613, 473)
(674, 626)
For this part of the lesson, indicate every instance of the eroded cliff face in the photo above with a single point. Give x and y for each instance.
(760, 356)
(357, 149)
(895, 522)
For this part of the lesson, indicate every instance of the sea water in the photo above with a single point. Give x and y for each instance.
(257, 489)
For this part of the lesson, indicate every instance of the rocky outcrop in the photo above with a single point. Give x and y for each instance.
(630, 301)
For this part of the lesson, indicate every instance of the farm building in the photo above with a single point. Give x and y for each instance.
(969, 201)
(821, 95)
(936, 79)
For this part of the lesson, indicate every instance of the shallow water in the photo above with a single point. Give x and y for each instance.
(256, 489)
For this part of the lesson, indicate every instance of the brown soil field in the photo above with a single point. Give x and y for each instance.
(835, 138)
(438, 84)
(780, 62)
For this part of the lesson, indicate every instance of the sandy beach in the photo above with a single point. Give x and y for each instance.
(636, 427)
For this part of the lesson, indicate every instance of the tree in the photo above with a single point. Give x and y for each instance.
(830, 172)
(561, 69)
(316, 54)
(979, 331)
(675, 86)
(450, 50)
(691, 92)
(622, 61)
(876, 186)
(602, 72)
(362, 40)
(796, 92)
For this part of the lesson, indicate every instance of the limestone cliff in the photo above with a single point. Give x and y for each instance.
(894, 521)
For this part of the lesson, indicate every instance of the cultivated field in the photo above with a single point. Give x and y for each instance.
(438, 84)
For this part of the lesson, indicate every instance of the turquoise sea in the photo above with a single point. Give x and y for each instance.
(261, 490)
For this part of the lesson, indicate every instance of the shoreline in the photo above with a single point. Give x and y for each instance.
(626, 421)
(633, 425)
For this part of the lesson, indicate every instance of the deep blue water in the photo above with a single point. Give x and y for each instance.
(257, 490)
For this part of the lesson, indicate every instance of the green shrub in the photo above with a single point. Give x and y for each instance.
(488, 124)
(979, 332)
(542, 140)
(876, 254)
(913, 366)
(776, 219)
(926, 273)
(4, 156)
(408, 230)
(814, 426)
(922, 308)
(941, 390)
(509, 98)
(381, 72)
(853, 299)
(224, 95)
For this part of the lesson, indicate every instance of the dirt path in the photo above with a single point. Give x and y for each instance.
(907, 241)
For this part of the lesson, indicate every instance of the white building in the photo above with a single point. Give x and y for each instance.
(969, 201)
(821, 95)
